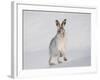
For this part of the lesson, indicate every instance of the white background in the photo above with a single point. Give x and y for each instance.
(5, 39)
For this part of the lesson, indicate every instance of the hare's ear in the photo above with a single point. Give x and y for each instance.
(63, 23)
(57, 23)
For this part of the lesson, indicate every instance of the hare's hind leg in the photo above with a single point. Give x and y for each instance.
(52, 60)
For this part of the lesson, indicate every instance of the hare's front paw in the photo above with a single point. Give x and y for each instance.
(52, 63)
(60, 61)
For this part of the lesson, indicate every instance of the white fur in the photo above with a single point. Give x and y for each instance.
(57, 45)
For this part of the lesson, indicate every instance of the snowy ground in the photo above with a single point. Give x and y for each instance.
(39, 59)
(39, 29)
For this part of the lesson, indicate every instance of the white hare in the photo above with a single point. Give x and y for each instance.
(57, 44)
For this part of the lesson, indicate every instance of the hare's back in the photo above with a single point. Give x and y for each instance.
(53, 42)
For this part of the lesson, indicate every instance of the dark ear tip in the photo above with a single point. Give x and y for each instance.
(64, 19)
(56, 20)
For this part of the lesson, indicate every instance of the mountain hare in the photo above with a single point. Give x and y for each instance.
(57, 44)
